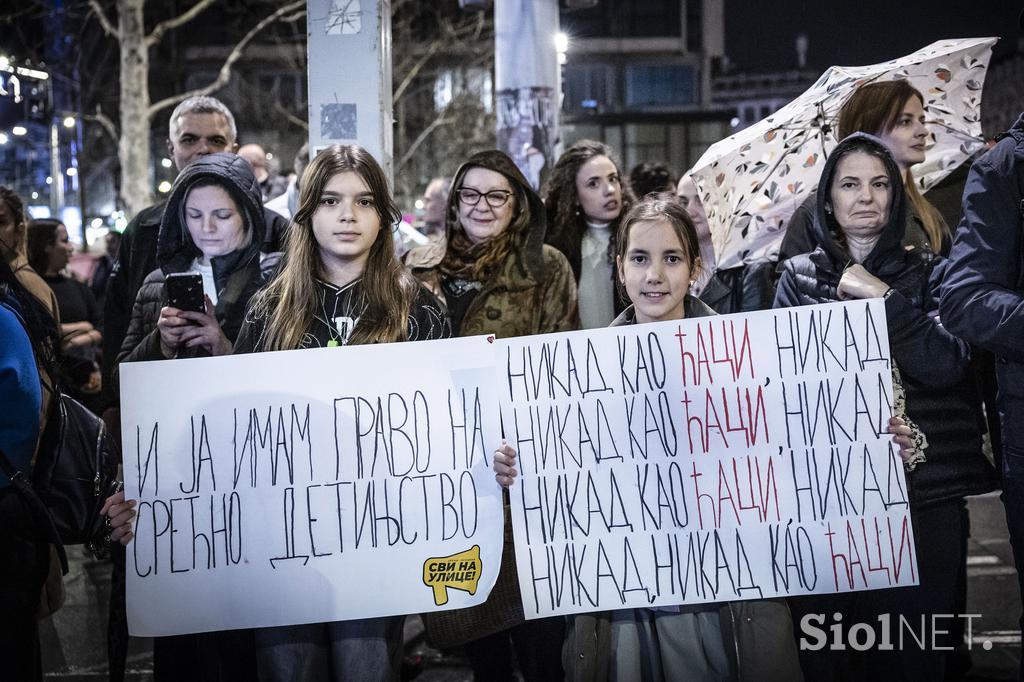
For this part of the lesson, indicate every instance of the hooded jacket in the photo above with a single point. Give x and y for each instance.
(237, 275)
(983, 292)
(941, 396)
(534, 292)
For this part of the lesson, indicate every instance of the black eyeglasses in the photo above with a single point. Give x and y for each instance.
(496, 198)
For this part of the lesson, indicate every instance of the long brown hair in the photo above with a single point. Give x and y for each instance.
(875, 109)
(566, 222)
(17, 208)
(290, 300)
(42, 233)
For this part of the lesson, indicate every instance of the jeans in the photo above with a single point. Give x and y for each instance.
(368, 650)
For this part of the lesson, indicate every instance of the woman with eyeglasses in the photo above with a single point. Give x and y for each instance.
(496, 276)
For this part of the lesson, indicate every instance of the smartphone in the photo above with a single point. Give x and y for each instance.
(185, 291)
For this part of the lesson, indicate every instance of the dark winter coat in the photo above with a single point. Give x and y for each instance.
(136, 259)
(983, 291)
(934, 365)
(801, 236)
(742, 289)
(237, 275)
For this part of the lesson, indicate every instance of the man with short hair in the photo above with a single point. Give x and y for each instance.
(271, 184)
(435, 199)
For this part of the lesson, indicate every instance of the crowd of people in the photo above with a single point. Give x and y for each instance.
(312, 262)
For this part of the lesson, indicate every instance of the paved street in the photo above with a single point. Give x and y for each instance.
(75, 646)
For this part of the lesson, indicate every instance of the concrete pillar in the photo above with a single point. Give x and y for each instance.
(526, 75)
(350, 75)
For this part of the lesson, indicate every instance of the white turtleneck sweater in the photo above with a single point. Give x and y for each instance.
(597, 293)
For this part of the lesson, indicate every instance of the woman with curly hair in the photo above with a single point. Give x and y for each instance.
(585, 198)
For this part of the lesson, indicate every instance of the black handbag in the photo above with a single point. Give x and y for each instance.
(75, 472)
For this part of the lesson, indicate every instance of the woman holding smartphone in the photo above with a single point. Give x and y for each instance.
(212, 226)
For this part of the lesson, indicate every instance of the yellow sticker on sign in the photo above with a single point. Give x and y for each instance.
(458, 571)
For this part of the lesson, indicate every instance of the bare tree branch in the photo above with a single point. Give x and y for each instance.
(225, 70)
(420, 139)
(292, 118)
(415, 69)
(164, 26)
(105, 122)
(104, 21)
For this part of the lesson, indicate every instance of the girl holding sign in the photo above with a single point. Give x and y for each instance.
(859, 225)
(338, 284)
(657, 259)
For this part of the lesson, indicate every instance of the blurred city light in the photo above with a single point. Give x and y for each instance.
(164, 187)
(19, 130)
(69, 121)
(561, 43)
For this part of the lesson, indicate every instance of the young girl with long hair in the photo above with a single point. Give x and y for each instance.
(585, 199)
(339, 284)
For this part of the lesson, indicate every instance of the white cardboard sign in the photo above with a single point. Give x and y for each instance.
(706, 460)
(311, 486)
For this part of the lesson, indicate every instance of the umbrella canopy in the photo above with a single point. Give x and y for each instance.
(751, 182)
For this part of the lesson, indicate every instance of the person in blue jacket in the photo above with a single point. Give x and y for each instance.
(28, 342)
(982, 300)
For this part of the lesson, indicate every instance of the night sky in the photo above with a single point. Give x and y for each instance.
(858, 32)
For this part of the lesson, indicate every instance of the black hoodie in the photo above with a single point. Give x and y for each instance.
(237, 275)
(941, 396)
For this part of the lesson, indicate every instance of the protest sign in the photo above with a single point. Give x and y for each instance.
(706, 460)
(311, 486)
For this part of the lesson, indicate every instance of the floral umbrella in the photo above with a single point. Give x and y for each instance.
(751, 182)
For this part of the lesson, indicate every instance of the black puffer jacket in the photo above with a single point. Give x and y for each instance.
(237, 275)
(941, 395)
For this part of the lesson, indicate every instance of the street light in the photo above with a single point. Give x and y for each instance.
(71, 172)
(164, 187)
(4, 138)
(561, 46)
(69, 121)
(19, 130)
